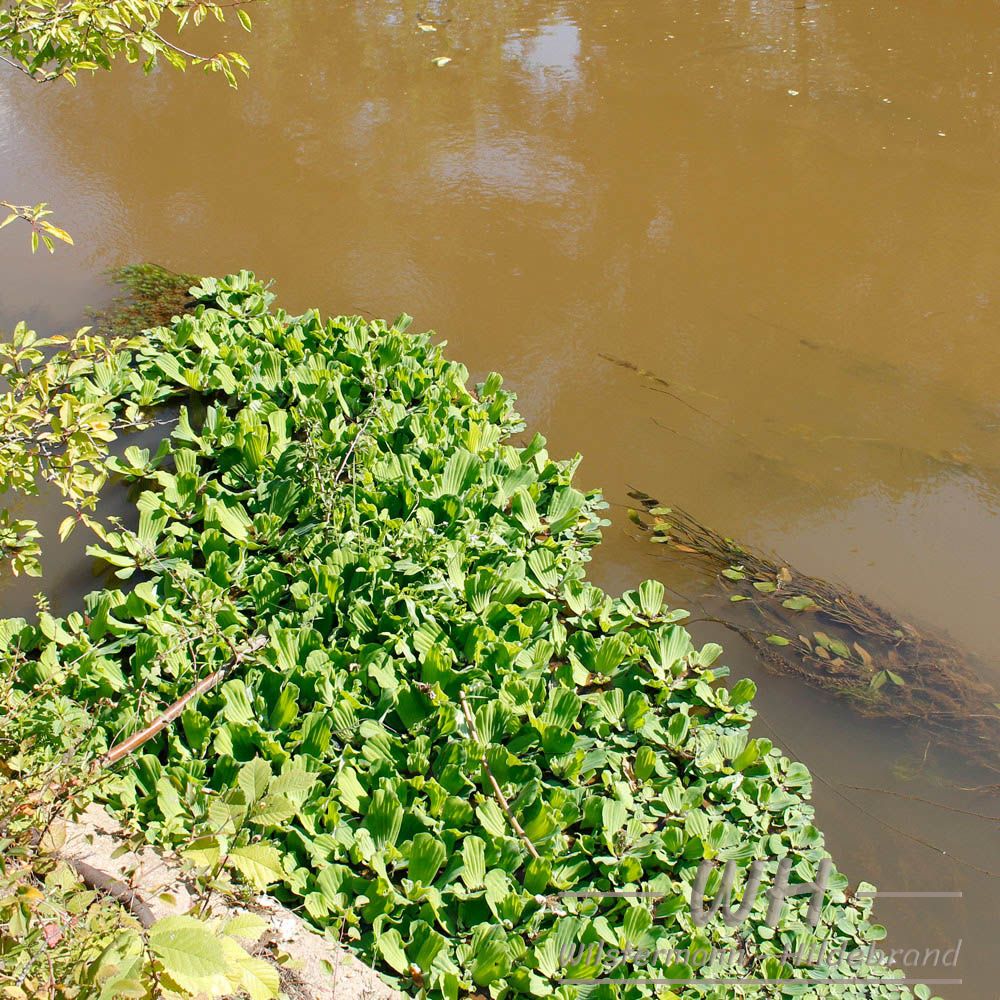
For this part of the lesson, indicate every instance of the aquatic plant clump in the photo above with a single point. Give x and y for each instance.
(842, 641)
(416, 718)
(150, 295)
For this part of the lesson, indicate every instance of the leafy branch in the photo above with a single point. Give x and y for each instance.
(41, 228)
(52, 432)
(48, 40)
(57, 39)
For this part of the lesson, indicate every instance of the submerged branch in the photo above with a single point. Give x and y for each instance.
(840, 640)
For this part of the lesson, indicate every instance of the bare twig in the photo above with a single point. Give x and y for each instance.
(497, 791)
(124, 894)
(126, 747)
(354, 443)
(920, 798)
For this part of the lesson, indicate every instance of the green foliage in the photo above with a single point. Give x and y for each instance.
(60, 936)
(345, 531)
(52, 39)
(41, 228)
(58, 39)
(56, 428)
(188, 957)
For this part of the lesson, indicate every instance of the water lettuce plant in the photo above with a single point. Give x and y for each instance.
(416, 718)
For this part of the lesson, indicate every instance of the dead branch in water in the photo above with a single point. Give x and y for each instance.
(842, 641)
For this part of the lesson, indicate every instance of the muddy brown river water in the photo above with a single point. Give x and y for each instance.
(788, 210)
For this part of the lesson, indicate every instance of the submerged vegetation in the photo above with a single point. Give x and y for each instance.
(842, 641)
(367, 672)
(149, 295)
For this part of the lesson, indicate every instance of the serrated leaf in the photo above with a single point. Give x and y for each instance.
(259, 864)
(190, 954)
(253, 779)
(247, 926)
(260, 979)
(203, 852)
(272, 810)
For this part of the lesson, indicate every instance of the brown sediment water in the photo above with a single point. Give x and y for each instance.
(786, 212)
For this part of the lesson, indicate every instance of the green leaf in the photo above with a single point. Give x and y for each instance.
(247, 926)
(492, 819)
(253, 779)
(459, 472)
(190, 954)
(802, 602)
(384, 819)
(236, 702)
(229, 515)
(286, 708)
(637, 921)
(203, 852)
(743, 691)
(390, 946)
(614, 816)
(273, 810)
(651, 594)
(426, 854)
(645, 761)
(610, 654)
(260, 979)
(473, 862)
(259, 864)
(491, 957)
(352, 793)
(542, 564)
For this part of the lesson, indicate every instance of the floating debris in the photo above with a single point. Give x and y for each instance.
(841, 641)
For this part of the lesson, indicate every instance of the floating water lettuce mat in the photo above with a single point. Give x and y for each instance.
(418, 721)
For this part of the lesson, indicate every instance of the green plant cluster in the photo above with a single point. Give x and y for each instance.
(430, 730)
(58, 39)
(62, 936)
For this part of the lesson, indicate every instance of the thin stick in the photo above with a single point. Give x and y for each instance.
(136, 740)
(126, 747)
(497, 792)
(354, 444)
(920, 798)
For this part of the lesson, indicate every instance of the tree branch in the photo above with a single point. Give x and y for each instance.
(497, 791)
